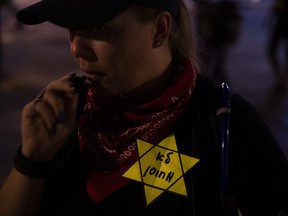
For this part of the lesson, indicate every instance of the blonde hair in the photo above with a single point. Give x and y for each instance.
(182, 40)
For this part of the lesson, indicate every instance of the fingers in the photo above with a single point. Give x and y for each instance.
(48, 120)
(57, 103)
(46, 111)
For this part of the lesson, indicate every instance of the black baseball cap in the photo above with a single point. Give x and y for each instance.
(84, 14)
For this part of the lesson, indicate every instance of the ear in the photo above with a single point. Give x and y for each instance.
(163, 24)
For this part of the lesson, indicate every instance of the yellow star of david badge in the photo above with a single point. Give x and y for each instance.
(160, 168)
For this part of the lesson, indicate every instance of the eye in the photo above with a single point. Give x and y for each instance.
(98, 30)
(95, 33)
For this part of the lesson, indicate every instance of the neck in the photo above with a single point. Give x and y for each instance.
(155, 87)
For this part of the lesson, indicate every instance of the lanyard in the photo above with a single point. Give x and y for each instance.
(223, 114)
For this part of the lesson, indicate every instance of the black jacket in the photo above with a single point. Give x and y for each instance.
(258, 168)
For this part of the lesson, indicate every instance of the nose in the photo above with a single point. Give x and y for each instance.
(81, 47)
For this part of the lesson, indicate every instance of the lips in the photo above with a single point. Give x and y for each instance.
(90, 69)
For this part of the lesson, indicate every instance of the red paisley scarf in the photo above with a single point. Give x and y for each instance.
(109, 127)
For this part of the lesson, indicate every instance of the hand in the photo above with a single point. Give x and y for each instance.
(48, 121)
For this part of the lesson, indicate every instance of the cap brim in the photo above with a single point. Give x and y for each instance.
(71, 14)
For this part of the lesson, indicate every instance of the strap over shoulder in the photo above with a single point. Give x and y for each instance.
(223, 115)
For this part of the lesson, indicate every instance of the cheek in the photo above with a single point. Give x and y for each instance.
(130, 57)
(133, 42)
(133, 52)
(125, 61)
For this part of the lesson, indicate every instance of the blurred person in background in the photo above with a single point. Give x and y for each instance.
(219, 29)
(278, 39)
(142, 132)
(12, 8)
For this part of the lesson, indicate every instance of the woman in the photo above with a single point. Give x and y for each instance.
(138, 134)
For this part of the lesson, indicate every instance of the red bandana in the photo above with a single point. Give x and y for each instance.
(109, 127)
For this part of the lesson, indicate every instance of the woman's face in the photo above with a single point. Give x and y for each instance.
(119, 57)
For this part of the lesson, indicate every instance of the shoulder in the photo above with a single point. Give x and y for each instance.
(205, 91)
(209, 93)
(246, 117)
(247, 126)
(251, 136)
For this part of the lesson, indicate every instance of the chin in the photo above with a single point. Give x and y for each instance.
(102, 91)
